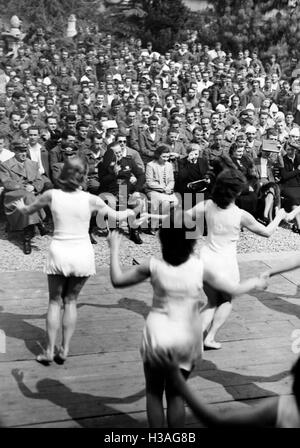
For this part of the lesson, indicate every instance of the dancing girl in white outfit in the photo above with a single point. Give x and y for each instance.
(224, 221)
(70, 259)
(174, 321)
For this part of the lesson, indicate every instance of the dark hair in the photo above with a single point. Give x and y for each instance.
(272, 131)
(176, 248)
(65, 134)
(82, 124)
(295, 371)
(121, 134)
(73, 174)
(153, 118)
(229, 184)
(160, 150)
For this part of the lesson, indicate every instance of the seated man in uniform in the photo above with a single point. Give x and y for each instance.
(21, 179)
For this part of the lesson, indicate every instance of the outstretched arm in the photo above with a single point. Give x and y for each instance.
(98, 205)
(19, 377)
(254, 226)
(41, 202)
(290, 216)
(263, 415)
(197, 212)
(290, 265)
(222, 283)
(119, 278)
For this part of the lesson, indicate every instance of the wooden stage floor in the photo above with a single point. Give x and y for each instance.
(102, 384)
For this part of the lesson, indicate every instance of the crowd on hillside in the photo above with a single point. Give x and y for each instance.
(160, 125)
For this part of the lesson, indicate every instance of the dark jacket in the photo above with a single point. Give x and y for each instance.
(110, 182)
(290, 174)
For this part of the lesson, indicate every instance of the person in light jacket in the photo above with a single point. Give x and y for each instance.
(160, 183)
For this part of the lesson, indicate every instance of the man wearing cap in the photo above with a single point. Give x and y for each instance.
(21, 179)
(89, 75)
(252, 144)
(68, 150)
(56, 153)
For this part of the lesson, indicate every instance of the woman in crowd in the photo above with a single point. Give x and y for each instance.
(290, 181)
(160, 183)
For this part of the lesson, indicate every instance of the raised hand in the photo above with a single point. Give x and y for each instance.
(143, 218)
(290, 216)
(18, 375)
(114, 239)
(263, 280)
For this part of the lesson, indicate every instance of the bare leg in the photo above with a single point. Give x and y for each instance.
(73, 288)
(208, 312)
(297, 217)
(56, 285)
(269, 201)
(155, 381)
(175, 407)
(207, 315)
(221, 315)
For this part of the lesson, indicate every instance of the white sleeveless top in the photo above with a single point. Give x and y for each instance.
(71, 214)
(174, 321)
(223, 227)
(223, 230)
(71, 252)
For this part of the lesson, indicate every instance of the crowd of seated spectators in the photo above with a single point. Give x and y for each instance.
(153, 128)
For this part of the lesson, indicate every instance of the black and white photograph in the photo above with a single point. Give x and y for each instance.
(149, 217)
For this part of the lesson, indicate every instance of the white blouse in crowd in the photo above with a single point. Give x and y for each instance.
(6, 154)
(35, 155)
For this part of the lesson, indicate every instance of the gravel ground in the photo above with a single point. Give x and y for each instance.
(13, 258)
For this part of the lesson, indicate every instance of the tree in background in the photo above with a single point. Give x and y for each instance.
(272, 26)
(164, 22)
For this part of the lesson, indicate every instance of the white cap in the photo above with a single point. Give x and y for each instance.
(273, 109)
(250, 129)
(279, 116)
(250, 106)
(220, 108)
(47, 81)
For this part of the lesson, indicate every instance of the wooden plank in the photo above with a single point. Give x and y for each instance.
(102, 383)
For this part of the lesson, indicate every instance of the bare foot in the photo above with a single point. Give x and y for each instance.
(61, 356)
(212, 344)
(45, 359)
